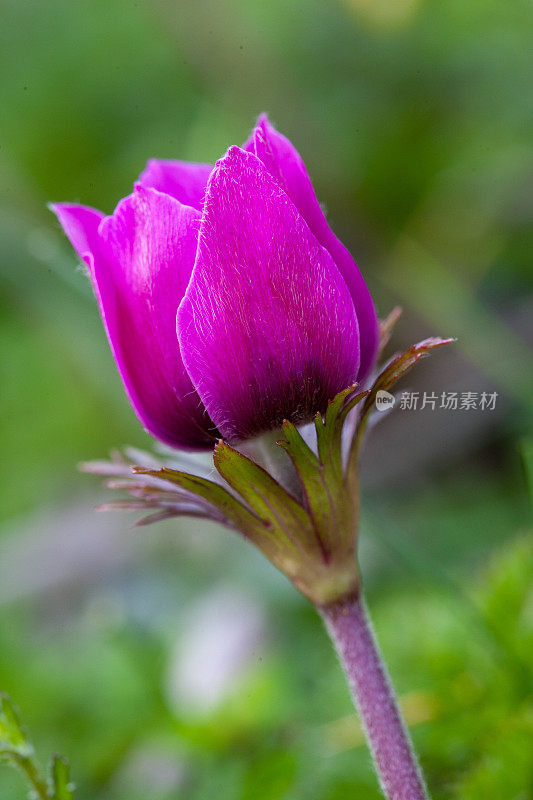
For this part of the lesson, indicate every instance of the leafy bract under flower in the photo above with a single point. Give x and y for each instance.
(310, 537)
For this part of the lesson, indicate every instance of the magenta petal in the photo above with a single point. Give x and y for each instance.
(140, 261)
(285, 163)
(184, 180)
(80, 224)
(267, 327)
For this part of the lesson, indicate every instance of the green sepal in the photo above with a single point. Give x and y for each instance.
(306, 522)
(295, 544)
(270, 517)
(263, 494)
(329, 430)
(263, 512)
(234, 512)
(331, 502)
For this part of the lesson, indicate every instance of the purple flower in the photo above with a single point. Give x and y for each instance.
(229, 303)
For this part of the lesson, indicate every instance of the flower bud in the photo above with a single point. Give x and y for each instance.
(228, 302)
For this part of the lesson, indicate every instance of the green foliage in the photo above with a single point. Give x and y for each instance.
(61, 783)
(17, 749)
(462, 666)
(12, 738)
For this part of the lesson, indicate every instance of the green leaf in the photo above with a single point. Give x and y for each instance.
(13, 739)
(264, 495)
(318, 496)
(17, 749)
(332, 504)
(330, 429)
(60, 771)
(293, 541)
(233, 512)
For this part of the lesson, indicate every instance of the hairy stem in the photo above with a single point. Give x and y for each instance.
(394, 759)
(28, 766)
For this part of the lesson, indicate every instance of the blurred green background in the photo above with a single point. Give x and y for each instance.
(173, 661)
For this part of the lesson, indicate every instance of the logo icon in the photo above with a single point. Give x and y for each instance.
(384, 400)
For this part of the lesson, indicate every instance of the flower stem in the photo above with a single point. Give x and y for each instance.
(394, 759)
(28, 766)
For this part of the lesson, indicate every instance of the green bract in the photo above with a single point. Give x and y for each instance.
(308, 531)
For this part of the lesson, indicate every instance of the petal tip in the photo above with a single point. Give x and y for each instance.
(81, 225)
(234, 151)
(142, 191)
(263, 119)
(64, 210)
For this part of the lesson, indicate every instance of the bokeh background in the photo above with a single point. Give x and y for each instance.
(173, 661)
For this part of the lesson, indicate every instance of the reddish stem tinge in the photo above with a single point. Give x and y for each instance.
(394, 759)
